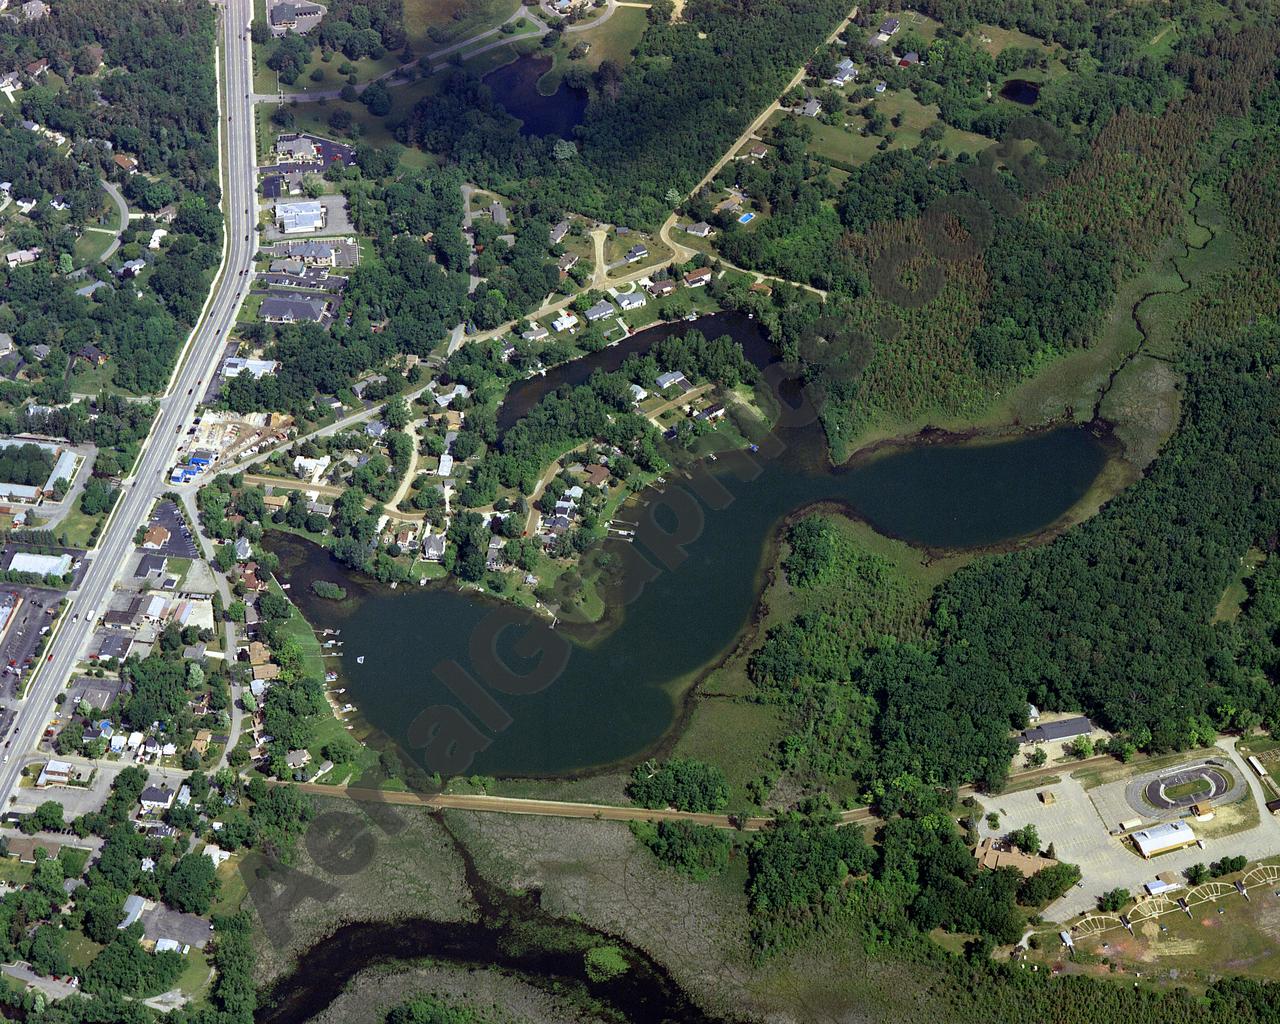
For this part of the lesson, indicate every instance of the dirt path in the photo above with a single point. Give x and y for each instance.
(410, 473)
(768, 111)
(549, 808)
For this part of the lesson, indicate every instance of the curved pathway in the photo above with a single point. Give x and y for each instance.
(435, 59)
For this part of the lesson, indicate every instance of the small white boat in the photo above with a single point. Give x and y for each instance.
(360, 660)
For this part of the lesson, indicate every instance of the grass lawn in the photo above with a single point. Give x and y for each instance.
(300, 629)
(434, 24)
(80, 948)
(92, 380)
(195, 975)
(430, 26)
(845, 145)
(73, 860)
(14, 873)
(1185, 789)
(90, 247)
(614, 40)
(231, 886)
(366, 127)
(995, 39)
(77, 527)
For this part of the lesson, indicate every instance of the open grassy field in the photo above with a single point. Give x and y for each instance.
(1231, 935)
(995, 39)
(77, 527)
(90, 247)
(432, 24)
(846, 144)
(613, 40)
(1237, 592)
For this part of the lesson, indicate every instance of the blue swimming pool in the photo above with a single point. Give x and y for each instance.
(746, 218)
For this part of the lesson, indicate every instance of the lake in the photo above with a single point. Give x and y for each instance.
(1021, 91)
(617, 697)
(515, 86)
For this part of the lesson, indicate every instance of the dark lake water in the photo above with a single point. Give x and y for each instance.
(616, 697)
(515, 86)
(1021, 91)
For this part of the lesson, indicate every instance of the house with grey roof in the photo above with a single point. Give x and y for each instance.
(288, 309)
(600, 310)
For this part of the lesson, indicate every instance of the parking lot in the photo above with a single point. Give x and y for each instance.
(97, 693)
(1078, 824)
(30, 619)
(180, 543)
(336, 219)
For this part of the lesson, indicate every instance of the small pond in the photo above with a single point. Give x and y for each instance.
(1021, 91)
(515, 86)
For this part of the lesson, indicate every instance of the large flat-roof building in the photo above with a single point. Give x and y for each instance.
(1164, 838)
(296, 218)
(41, 565)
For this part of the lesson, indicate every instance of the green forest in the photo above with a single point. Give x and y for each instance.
(138, 80)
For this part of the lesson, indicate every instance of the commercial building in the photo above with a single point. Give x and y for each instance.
(41, 565)
(299, 218)
(255, 368)
(1165, 838)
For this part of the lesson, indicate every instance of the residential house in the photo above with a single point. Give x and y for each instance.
(632, 300)
(697, 278)
(700, 230)
(600, 310)
(244, 550)
(559, 231)
(92, 355)
(636, 253)
(564, 322)
(21, 257)
(567, 262)
(597, 475)
(126, 163)
(661, 288)
(433, 547)
(499, 214)
(536, 333)
(672, 378)
(811, 108)
(845, 73)
(156, 799)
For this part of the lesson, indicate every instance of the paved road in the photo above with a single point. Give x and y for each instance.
(197, 363)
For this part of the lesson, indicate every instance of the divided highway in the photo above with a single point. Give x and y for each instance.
(196, 365)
